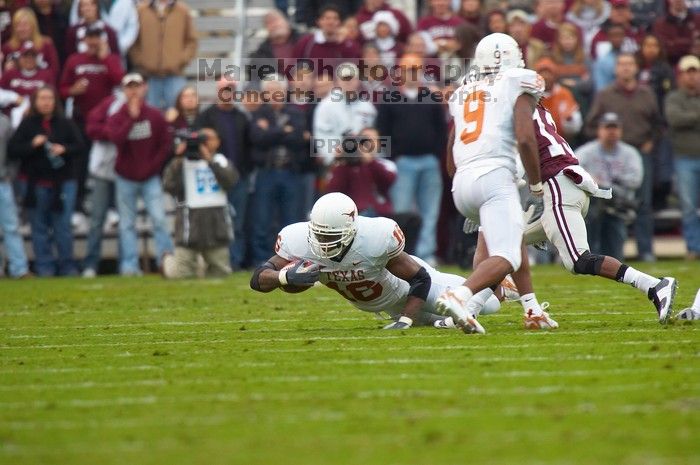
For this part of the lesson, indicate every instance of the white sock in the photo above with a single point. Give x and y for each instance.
(531, 305)
(696, 303)
(478, 301)
(641, 281)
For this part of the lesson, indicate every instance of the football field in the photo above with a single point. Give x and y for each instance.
(143, 371)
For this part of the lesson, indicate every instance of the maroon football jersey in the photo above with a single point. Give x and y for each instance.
(555, 152)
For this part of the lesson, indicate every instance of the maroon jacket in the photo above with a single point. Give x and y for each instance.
(23, 83)
(48, 56)
(333, 53)
(367, 184)
(439, 28)
(103, 76)
(363, 15)
(143, 144)
(677, 34)
(630, 44)
(76, 34)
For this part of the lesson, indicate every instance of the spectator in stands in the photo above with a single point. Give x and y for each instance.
(374, 81)
(341, 113)
(26, 77)
(279, 44)
(468, 36)
(53, 23)
(370, 7)
(184, 113)
(279, 147)
(26, 29)
(617, 165)
(308, 10)
(92, 75)
(364, 177)
(161, 53)
(384, 37)
(322, 88)
(103, 154)
(641, 125)
(588, 16)
(325, 43)
(441, 23)
(683, 115)
(569, 55)
(199, 183)
(620, 15)
(551, 15)
(9, 222)
(472, 12)
(654, 70)
(143, 144)
(418, 131)
(519, 29)
(89, 15)
(604, 65)
(233, 128)
(645, 12)
(46, 144)
(120, 15)
(496, 22)
(677, 29)
(559, 100)
(350, 30)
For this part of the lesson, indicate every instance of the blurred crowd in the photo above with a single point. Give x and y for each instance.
(98, 119)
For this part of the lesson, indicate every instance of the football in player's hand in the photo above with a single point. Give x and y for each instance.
(306, 266)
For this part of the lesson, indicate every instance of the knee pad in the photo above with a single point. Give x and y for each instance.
(588, 263)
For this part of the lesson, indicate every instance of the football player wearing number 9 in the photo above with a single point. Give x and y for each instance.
(492, 115)
(568, 188)
(363, 260)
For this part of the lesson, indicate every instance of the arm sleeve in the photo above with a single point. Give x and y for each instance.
(127, 36)
(115, 71)
(396, 242)
(632, 176)
(225, 174)
(74, 141)
(528, 82)
(67, 79)
(173, 183)
(119, 125)
(383, 176)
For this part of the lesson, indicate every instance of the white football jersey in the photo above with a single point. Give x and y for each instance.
(483, 118)
(361, 276)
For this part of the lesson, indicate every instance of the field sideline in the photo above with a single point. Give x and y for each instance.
(143, 371)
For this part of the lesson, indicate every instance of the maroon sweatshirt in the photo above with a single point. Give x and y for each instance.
(47, 58)
(143, 144)
(363, 15)
(677, 34)
(439, 28)
(367, 184)
(332, 53)
(25, 83)
(102, 75)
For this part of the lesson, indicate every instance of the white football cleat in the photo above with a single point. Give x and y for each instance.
(688, 314)
(543, 321)
(446, 323)
(662, 296)
(510, 291)
(453, 303)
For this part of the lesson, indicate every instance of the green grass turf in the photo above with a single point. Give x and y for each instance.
(131, 371)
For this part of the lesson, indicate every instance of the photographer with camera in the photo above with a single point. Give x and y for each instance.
(617, 165)
(199, 177)
(362, 174)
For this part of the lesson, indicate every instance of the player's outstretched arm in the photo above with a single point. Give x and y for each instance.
(266, 277)
(405, 267)
(527, 143)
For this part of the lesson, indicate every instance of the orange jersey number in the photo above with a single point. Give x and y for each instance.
(473, 116)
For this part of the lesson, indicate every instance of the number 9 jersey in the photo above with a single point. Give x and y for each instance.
(483, 116)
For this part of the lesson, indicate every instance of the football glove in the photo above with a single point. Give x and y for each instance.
(403, 322)
(303, 273)
(534, 208)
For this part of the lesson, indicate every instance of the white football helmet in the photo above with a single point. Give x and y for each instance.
(497, 52)
(332, 225)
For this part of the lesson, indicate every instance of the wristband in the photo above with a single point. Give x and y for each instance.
(282, 277)
(405, 319)
(536, 187)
